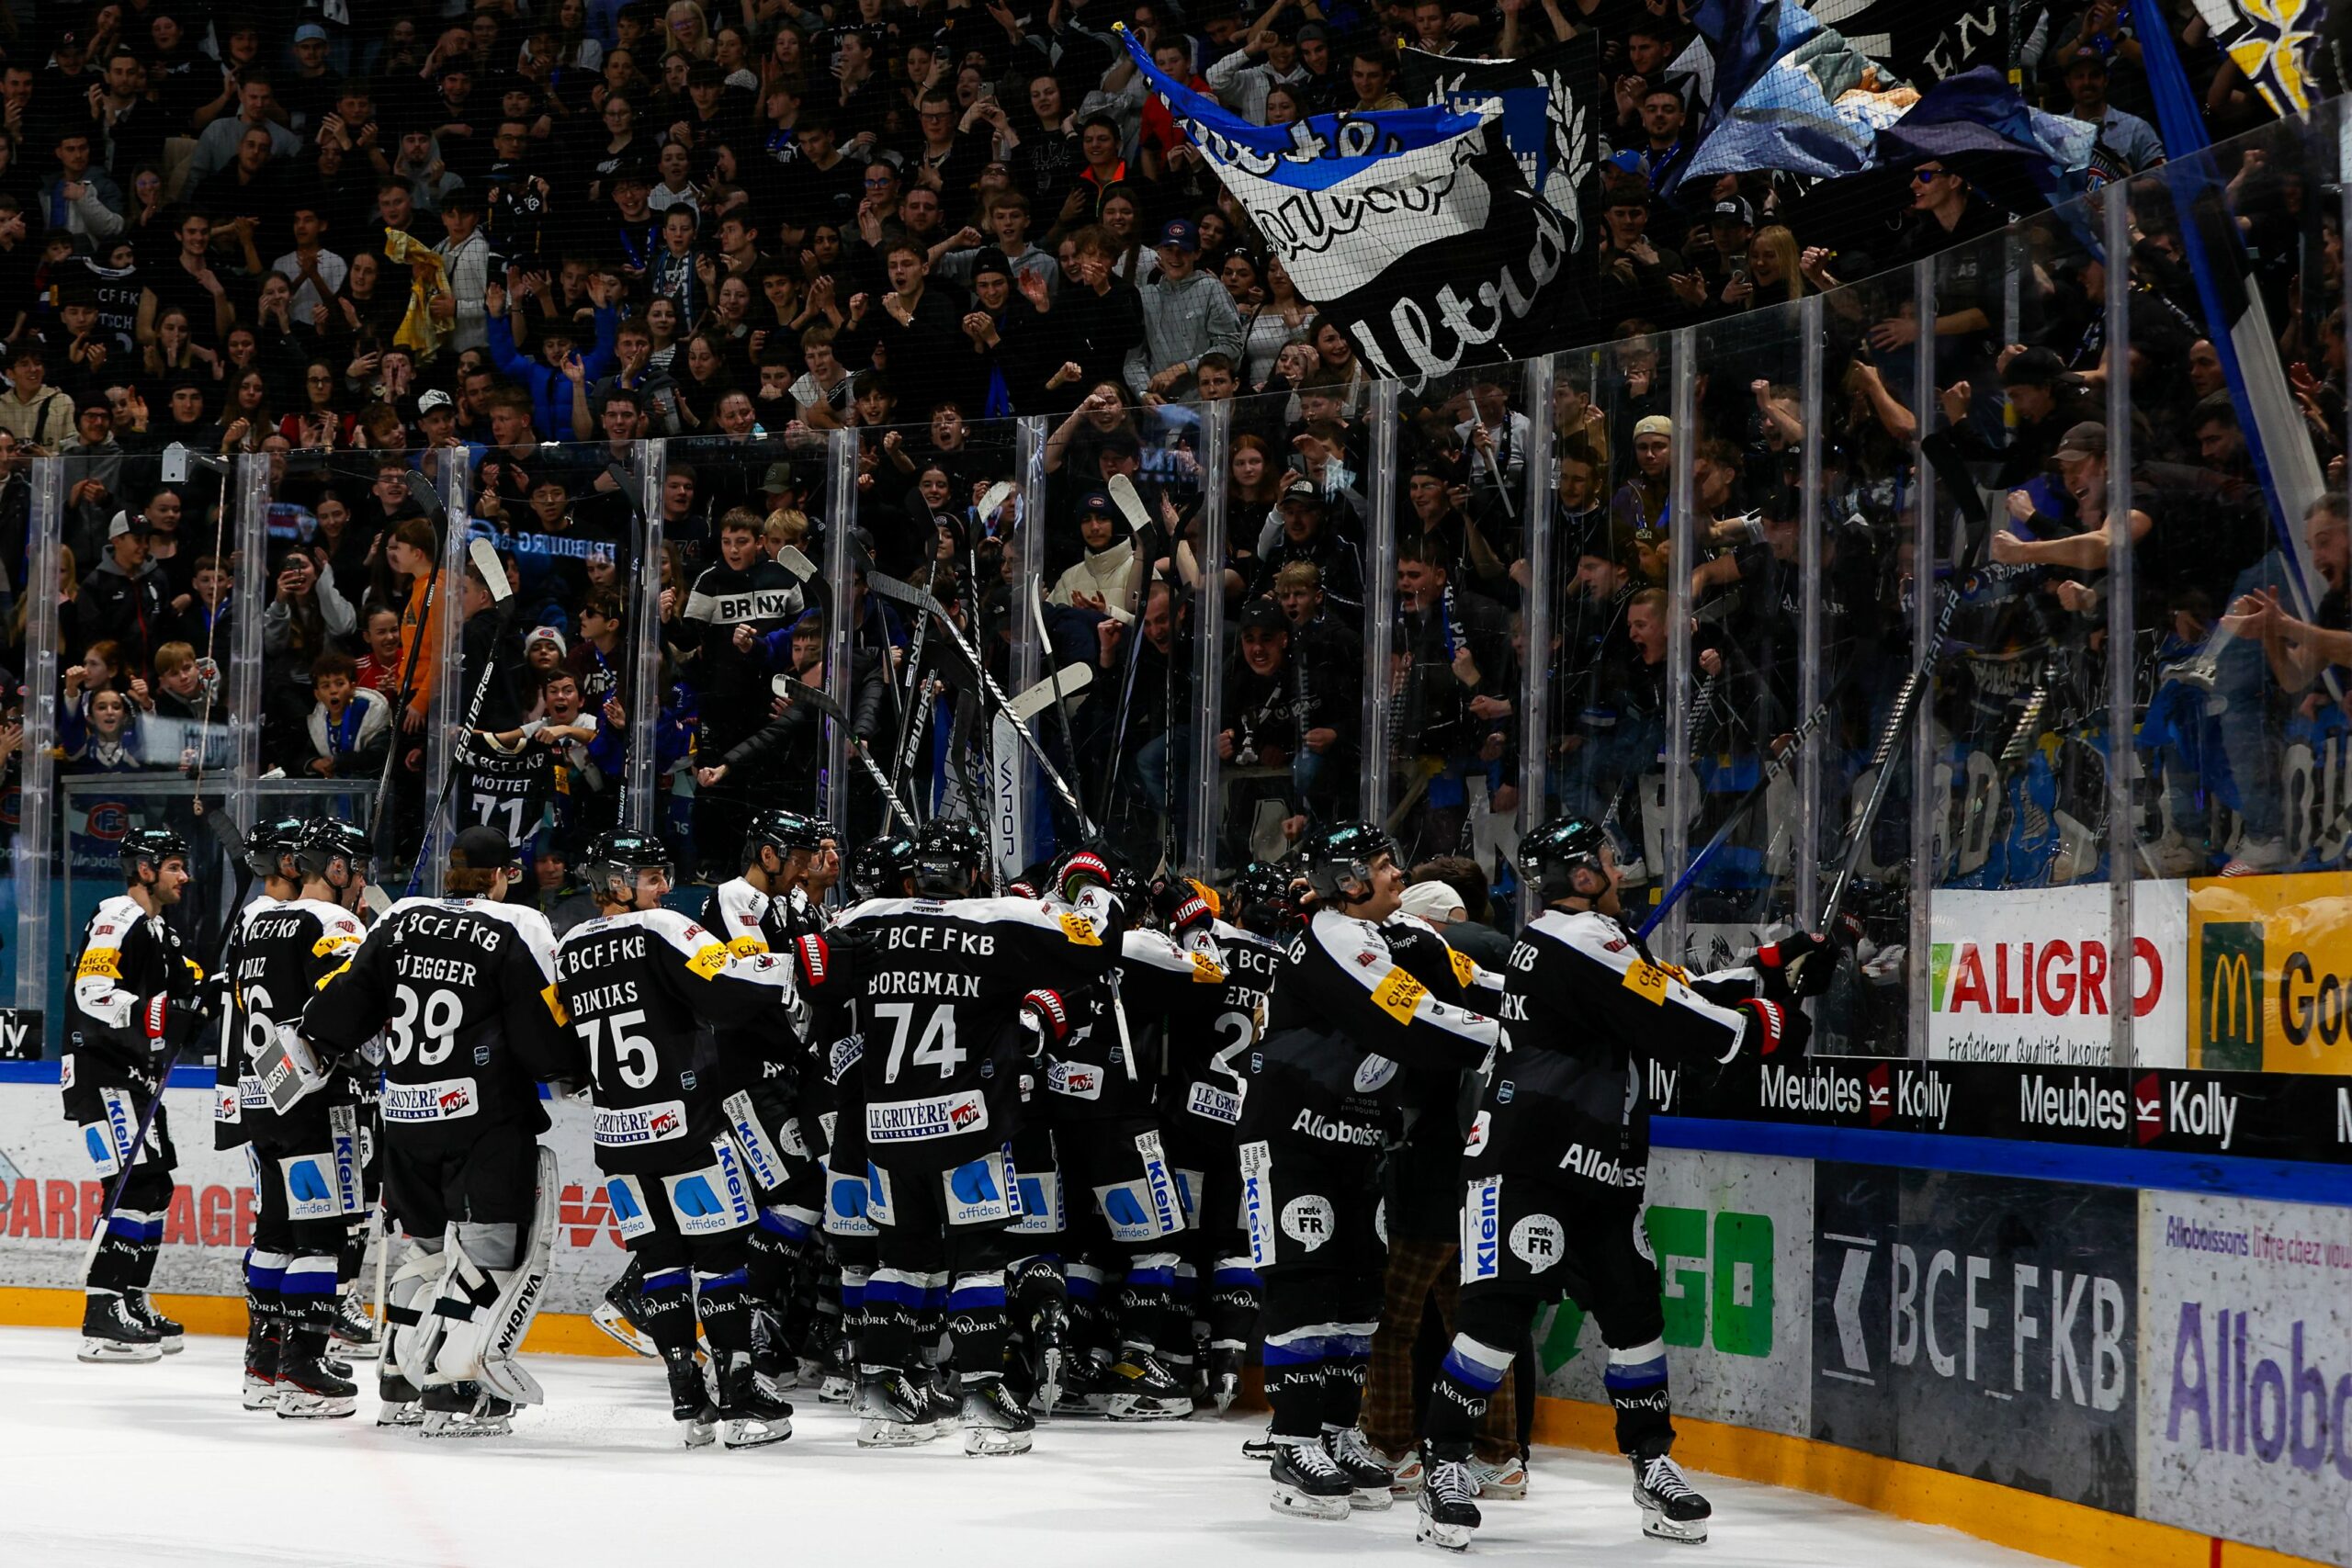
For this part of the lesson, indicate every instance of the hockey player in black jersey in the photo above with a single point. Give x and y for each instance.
(463, 988)
(303, 1137)
(1354, 1001)
(241, 1113)
(1558, 1152)
(136, 997)
(1200, 1107)
(957, 990)
(644, 986)
(1095, 1082)
(762, 1064)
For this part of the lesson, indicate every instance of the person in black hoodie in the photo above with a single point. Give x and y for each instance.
(1008, 331)
(735, 602)
(122, 602)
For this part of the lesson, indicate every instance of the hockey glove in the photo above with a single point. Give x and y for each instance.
(1178, 903)
(1773, 1027)
(1085, 868)
(171, 1020)
(1801, 963)
(1045, 1015)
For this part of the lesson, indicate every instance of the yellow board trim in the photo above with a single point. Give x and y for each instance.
(2024, 1521)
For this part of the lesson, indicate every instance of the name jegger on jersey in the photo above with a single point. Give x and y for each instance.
(464, 993)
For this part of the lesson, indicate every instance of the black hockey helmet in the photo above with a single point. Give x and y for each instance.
(482, 849)
(948, 859)
(273, 842)
(1337, 862)
(784, 831)
(879, 868)
(326, 840)
(1550, 857)
(149, 846)
(619, 854)
(1262, 900)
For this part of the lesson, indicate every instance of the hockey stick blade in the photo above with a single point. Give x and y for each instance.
(1073, 679)
(376, 901)
(992, 498)
(817, 697)
(897, 589)
(794, 561)
(1130, 504)
(484, 554)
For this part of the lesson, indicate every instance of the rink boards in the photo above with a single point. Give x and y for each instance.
(1842, 1314)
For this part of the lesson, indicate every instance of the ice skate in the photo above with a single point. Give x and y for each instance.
(170, 1337)
(1507, 1479)
(1260, 1449)
(690, 1402)
(1365, 1469)
(1222, 1370)
(1671, 1511)
(262, 1349)
(840, 1376)
(1141, 1388)
(618, 1312)
(1308, 1482)
(993, 1420)
(1085, 1387)
(308, 1388)
(1449, 1509)
(356, 1335)
(893, 1411)
(946, 1407)
(396, 1401)
(464, 1410)
(751, 1413)
(111, 1332)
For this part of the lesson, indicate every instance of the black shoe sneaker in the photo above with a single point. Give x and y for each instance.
(752, 1411)
(1671, 1508)
(170, 1337)
(111, 1332)
(1308, 1481)
(1449, 1511)
(308, 1388)
(690, 1402)
(993, 1420)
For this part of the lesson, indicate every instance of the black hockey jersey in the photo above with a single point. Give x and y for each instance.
(511, 791)
(644, 990)
(770, 1049)
(1098, 1073)
(1586, 1007)
(122, 1023)
(280, 951)
(941, 998)
(463, 991)
(1352, 1003)
(1204, 1058)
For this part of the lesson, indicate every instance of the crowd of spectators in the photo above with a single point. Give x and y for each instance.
(539, 233)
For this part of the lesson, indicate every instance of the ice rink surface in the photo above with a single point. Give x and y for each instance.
(157, 1466)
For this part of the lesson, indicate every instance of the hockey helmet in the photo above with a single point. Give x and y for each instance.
(1550, 857)
(271, 844)
(1261, 899)
(149, 846)
(948, 858)
(326, 840)
(620, 855)
(879, 868)
(1337, 862)
(784, 831)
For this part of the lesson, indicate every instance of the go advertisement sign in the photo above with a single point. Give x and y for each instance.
(2269, 958)
(2024, 975)
(1733, 1238)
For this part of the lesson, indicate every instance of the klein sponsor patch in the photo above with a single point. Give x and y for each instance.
(620, 1126)
(940, 1116)
(1398, 994)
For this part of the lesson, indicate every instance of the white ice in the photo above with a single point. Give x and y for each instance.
(158, 1466)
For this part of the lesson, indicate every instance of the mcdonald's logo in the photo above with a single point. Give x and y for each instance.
(2229, 1025)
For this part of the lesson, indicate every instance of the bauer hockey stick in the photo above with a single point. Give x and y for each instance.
(233, 843)
(817, 697)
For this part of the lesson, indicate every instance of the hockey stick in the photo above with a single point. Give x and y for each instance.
(914, 706)
(233, 844)
(494, 576)
(1773, 771)
(1937, 450)
(907, 593)
(419, 490)
(817, 697)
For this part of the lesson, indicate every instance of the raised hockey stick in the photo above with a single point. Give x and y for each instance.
(421, 490)
(1773, 770)
(494, 576)
(817, 697)
(233, 843)
(907, 593)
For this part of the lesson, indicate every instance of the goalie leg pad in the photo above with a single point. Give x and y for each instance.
(491, 1295)
(414, 1336)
